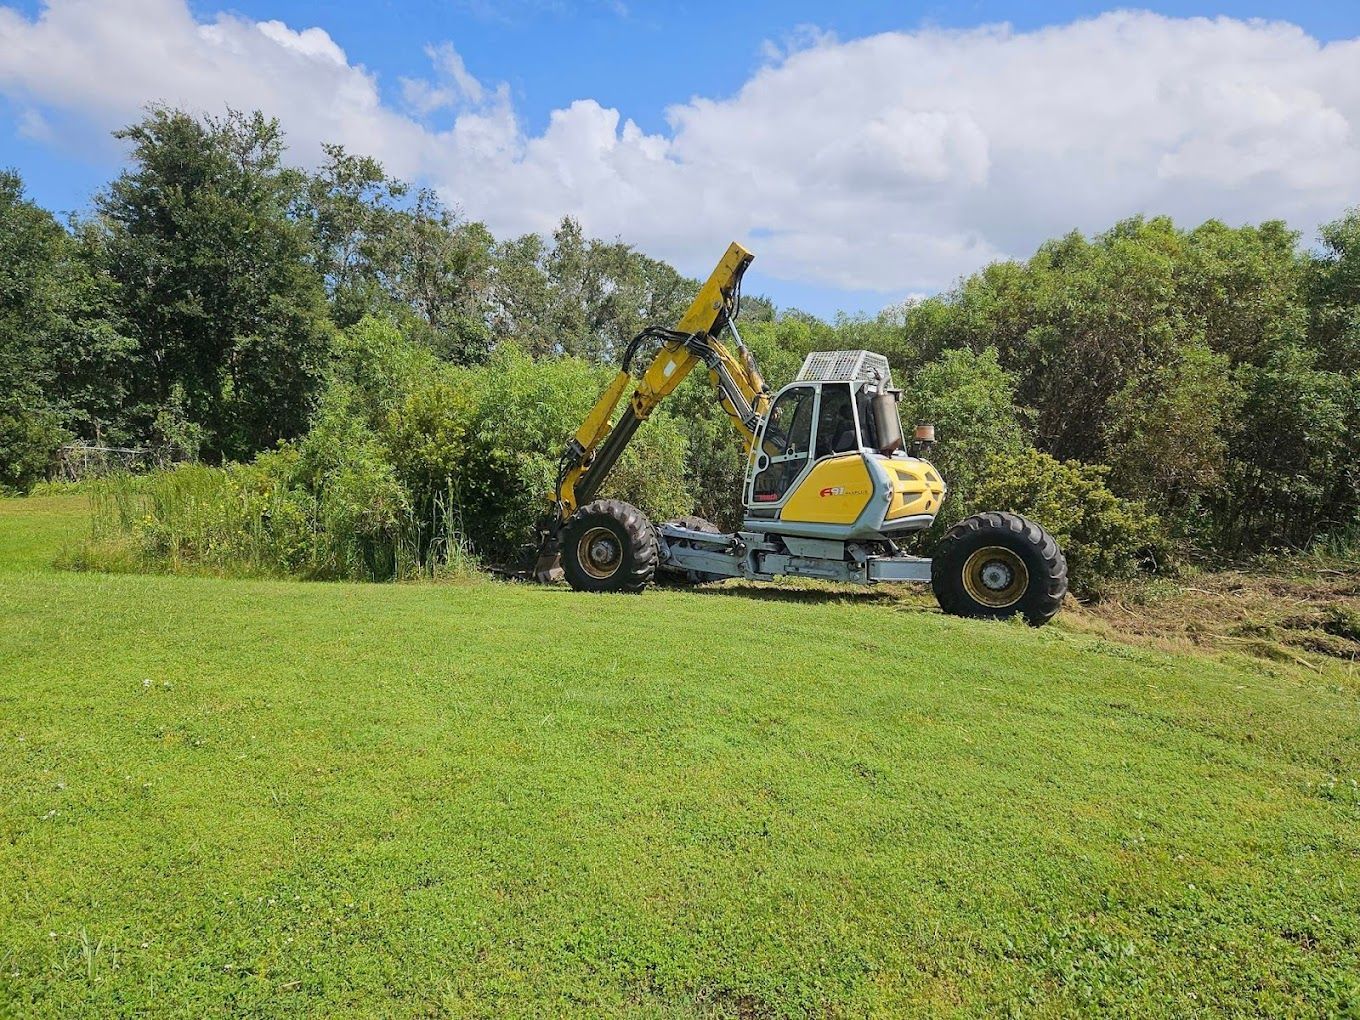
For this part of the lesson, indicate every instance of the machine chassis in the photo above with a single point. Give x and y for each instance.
(765, 556)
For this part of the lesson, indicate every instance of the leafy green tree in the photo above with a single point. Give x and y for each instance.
(383, 250)
(1294, 460)
(64, 365)
(440, 266)
(1241, 289)
(1072, 324)
(1214, 369)
(1083, 319)
(581, 296)
(30, 428)
(1334, 289)
(1167, 430)
(214, 277)
(349, 206)
(970, 399)
(94, 359)
(381, 364)
(1106, 311)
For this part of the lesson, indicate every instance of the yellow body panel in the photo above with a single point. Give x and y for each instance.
(917, 488)
(835, 491)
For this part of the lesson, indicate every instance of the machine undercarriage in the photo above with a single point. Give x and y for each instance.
(765, 556)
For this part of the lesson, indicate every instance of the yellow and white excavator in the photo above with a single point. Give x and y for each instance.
(831, 487)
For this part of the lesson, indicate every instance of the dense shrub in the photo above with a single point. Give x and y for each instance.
(489, 438)
(343, 465)
(1166, 433)
(522, 412)
(716, 464)
(28, 441)
(652, 474)
(410, 466)
(1215, 369)
(1104, 537)
(1293, 474)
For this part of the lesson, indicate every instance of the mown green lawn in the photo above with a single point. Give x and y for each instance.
(281, 799)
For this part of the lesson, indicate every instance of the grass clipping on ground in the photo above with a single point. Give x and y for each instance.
(1304, 610)
(279, 799)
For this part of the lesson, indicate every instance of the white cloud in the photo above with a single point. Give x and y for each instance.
(456, 87)
(801, 38)
(894, 162)
(33, 126)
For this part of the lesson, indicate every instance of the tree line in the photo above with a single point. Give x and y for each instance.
(1151, 392)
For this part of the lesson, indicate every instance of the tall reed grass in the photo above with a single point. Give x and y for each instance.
(248, 521)
(1342, 544)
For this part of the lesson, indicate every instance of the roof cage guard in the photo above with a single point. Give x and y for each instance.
(846, 366)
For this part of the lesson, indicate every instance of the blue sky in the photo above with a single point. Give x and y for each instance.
(960, 190)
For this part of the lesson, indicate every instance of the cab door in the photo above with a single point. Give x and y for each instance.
(783, 450)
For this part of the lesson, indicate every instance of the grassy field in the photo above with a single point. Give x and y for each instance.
(281, 799)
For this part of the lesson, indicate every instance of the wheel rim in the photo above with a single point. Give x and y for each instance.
(995, 577)
(600, 553)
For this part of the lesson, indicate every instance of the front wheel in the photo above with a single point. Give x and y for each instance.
(994, 565)
(608, 545)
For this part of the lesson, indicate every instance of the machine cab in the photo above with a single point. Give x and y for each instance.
(829, 459)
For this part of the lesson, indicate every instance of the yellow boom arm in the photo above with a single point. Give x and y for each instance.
(598, 444)
(741, 390)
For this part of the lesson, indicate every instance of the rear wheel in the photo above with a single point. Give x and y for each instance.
(608, 545)
(994, 565)
(690, 523)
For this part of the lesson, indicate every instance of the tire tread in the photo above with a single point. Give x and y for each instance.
(641, 541)
(1042, 599)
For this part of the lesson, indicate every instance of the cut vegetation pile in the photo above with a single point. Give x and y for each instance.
(272, 798)
(1308, 614)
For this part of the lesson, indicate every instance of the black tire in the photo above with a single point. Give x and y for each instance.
(994, 565)
(691, 523)
(608, 545)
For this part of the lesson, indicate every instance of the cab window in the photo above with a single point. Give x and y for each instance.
(785, 443)
(836, 421)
